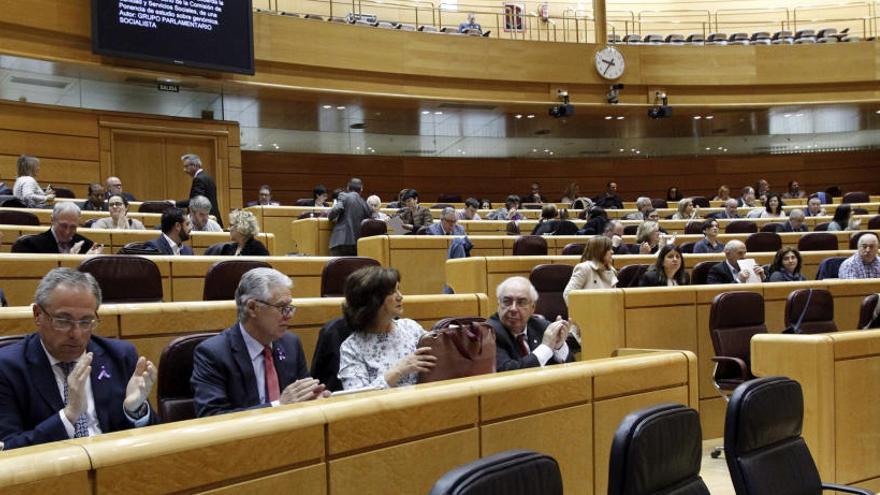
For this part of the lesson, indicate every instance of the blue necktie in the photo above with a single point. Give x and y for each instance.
(81, 426)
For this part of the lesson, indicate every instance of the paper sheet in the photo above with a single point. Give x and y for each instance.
(748, 265)
(395, 226)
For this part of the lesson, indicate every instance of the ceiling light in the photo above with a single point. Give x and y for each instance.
(357, 147)
(620, 117)
(259, 146)
(799, 115)
(787, 115)
(340, 107)
(638, 152)
(519, 116)
(720, 148)
(372, 151)
(608, 117)
(438, 113)
(622, 150)
(426, 112)
(551, 153)
(710, 117)
(534, 150)
(725, 150)
(708, 148)
(546, 151)
(530, 116)
(327, 107)
(697, 117)
(877, 112)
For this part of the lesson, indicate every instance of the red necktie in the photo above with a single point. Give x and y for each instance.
(272, 390)
(523, 346)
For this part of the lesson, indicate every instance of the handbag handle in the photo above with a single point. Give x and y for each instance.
(797, 326)
(470, 333)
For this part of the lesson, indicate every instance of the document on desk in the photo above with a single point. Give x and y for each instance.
(395, 226)
(748, 265)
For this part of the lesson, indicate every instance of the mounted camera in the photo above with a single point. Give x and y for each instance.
(566, 109)
(613, 95)
(661, 108)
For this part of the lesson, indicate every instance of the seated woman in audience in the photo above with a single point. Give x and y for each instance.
(26, 188)
(649, 238)
(668, 270)
(382, 349)
(686, 210)
(243, 230)
(673, 195)
(723, 193)
(595, 270)
(843, 219)
(375, 204)
(510, 210)
(549, 220)
(794, 191)
(485, 204)
(786, 266)
(414, 215)
(773, 206)
(710, 242)
(571, 193)
(118, 218)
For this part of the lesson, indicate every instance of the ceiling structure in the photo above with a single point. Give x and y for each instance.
(279, 119)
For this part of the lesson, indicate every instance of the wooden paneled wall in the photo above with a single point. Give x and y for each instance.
(77, 147)
(292, 175)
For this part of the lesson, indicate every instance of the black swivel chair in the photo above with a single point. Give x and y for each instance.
(765, 452)
(657, 450)
(514, 472)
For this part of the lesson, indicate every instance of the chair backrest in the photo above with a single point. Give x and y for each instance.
(771, 227)
(530, 245)
(819, 315)
(856, 197)
(700, 201)
(174, 392)
(687, 247)
(304, 202)
(62, 192)
(763, 242)
(566, 227)
(741, 227)
(700, 273)
(223, 277)
(13, 203)
(643, 459)
(763, 446)
(829, 267)
(337, 270)
(733, 319)
(512, 228)
(218, 249)
(866, 312)
(630, 229)
(550, 281)
(821, 227)
(817, 241)
(371, 227)
(854, 239)
(154, 207)
(514, 472)
(693, 228)
(440, 206)
(125, 279)
(19, 245)
(658, 203)
(13, 217)
(573, 248)
(88, 223)
(10, 340)
(874, 223)
(138, 248)
(629, 275)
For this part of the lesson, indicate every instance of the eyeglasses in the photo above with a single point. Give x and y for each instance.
(286, 309)
(66, 324)
(507, 302)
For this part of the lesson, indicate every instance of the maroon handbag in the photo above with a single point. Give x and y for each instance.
(463, 348)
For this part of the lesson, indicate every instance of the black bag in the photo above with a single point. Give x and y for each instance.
(796, 328)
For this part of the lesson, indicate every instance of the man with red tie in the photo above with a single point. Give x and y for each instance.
(522, 339)
(256, 362)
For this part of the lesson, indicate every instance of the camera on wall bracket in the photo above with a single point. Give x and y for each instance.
(566, 109)
(661, 108)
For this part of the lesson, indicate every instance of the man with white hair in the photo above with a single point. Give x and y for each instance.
(730, 210)
(202, 184)
(256, 362)
(448, 224)
(61, 236)
(795, 222)
(375, 204)
(199, 214)
(522, 339)
(864, 263)
(728, 271)
(643, 204)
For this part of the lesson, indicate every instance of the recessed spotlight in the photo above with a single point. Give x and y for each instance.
(621, 150)
(463, 153)
(327, 107)
(797, 147)
(426, 112)
(697, 117)
(620, 117)
(608, 117)
(710, 117)
(720, 148)
(530, 116)
(551, 153)
(341, 107)
(259, 145)
(546, 151)
(725, 150)
(638, 152)
(518, 116)
(632, 150)
(438, 113)
(275, 144)
(458, 150)
(799, 115)
(877, 112)
(372, 151)
(708, 148)
(357, 147)
(788, 115)
(534, 150)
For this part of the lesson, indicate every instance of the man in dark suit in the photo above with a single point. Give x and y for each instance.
(96, 201)
(114, 188)
(347, 214)
(728, 271)
(202, 185)
(609, 199)
(795, 222)
(730, 210)
(61, 236)
(256, 362)
(47, 392)
(176, 227)
(521, 339)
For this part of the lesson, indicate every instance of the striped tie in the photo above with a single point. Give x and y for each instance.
(81, 427)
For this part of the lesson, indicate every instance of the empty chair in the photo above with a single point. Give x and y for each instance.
(761, 38)
(695, 39)
(850, 38)
(741, 227)
(138, 248)
(371, 227)
(427, 29)
(817, 241)
(830, 39)
(783, 38)
(13, 203)
(290, 14)
(315, 17)
(63, 192)
(856, 197)
(771, 227)
(805, 36)
(739, 39)
(337, 270)
(765, 452)
(629, 275)
(10, 340)
(658, 203)
(125, 279)
(223, 277)
(339, 20)
(874, 223)
(630, 229)
(653, 39)
(154, 207)
(717, 39)
(632, 39)
(675, 39)
(530, 245)
(763, 242)
(174, 392)
(693, 228)
(406, 27)
(13, 217)
(304, 202)
(449, 198)
(573, 248)
(814, 308)
(687, 247)
(549, 281)
(826, 32)
(700, 273)
(613, 38)
(700, 201)
(512, 228)
(657, 450)
(866, 312)
(514, 472)
(565, 227)
(829, 267)
(821, 227)
(453, 30)
(365, 22)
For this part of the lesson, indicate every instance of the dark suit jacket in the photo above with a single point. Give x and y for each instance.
(786, 227)
(46, 243)
(253, 247)
(88, 206)
(128, 196)
(507, 351)
(325, 361)
(348, 213)
(651, 279)
(161, 245)
(720, 274)
(30, 399)
(203, 185)
(223, 377)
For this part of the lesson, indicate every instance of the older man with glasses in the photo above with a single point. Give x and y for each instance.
(63, 382)
(522, 339)
(256, 362)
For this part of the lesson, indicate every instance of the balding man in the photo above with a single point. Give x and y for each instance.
(522, 339)
(61, 236)
(795, 222)
(114, 187)
(448, 224)
(202, 184)
(864, 263)
(728, 271)
(730, 210)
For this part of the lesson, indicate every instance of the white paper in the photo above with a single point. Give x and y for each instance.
(748, 265)
(352, 391)
(395, 226)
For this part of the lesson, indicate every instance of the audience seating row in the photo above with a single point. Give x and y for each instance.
(43, 216)
(803, 36)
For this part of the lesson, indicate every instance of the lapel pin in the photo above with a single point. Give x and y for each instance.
(103, 374)
(280, 354)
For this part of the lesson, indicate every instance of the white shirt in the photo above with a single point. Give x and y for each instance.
(174, 247)
(91, 416)
(255, 352)
(544, 352)
(733, 272)
(210, 226)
